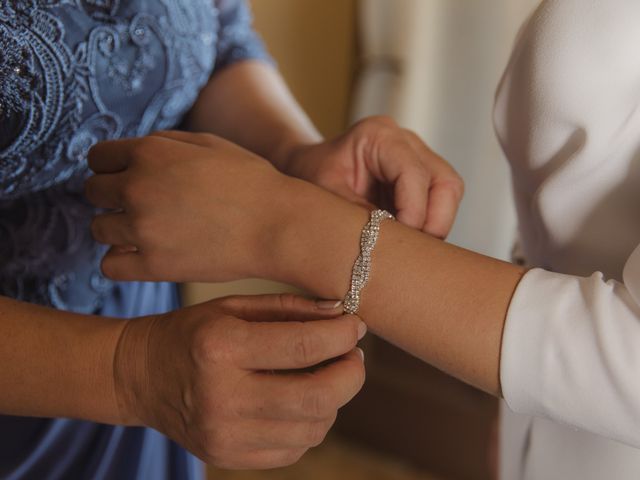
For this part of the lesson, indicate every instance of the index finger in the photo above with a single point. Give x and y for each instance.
(302, 396)
(400, 165)
(281, 307)
(444, 200)
(111, 156)
(446, 190)
(297, 345)
(411, 196)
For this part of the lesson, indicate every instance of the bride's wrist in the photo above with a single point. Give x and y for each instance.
(315, 241)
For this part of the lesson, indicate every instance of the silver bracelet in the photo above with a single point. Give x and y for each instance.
(362, 267)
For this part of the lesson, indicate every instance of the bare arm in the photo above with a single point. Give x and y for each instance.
(57, 364)
(231, 215)
(375, 161)
(250, 104)
(443, 304)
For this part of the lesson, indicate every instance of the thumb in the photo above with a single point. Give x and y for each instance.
(282, 307)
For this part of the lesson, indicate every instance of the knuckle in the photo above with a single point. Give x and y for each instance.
(237, 335)
(108, 268)
(287, 301)
(210, 346)
(205, 346)
(216, 445)
(131, 193)
(316, 402)
(458, 185)
(304, 349)
(455, 183)
(142, 229)
(317, 433)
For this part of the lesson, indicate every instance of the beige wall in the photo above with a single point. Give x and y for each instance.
(313, 42)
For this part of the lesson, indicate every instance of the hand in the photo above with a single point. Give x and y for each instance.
(380, 163)
(185, 207)
(219, 378)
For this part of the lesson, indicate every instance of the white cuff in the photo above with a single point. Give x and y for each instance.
(571, 353)
(522, 361)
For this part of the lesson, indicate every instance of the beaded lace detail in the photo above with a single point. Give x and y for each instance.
(75, 72)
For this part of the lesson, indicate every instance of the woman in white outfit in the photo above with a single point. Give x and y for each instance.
(559, 342)
(567, 116)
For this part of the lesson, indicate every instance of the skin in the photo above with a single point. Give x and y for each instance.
(210, 391)
(374, 162)
(217, 400)
(231, 215)
(227, 403)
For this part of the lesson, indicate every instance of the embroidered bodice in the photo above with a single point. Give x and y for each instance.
(72, 73)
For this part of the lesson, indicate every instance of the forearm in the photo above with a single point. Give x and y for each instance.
(444, 304)
(57, 364)
(250, 104)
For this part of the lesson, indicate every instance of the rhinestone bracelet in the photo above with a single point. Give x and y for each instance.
(362, 267)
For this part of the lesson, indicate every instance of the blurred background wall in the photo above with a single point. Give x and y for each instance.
(314, 42)
(434, 66)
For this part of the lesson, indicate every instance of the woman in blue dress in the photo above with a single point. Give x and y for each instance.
(77, 72)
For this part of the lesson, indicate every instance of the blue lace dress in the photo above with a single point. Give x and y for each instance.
(72, 73)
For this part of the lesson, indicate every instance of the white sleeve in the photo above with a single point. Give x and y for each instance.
(571, 351)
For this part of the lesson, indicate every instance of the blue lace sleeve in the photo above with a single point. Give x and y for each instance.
(237, 39)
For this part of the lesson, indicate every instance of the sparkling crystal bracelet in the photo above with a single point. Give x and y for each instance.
(362, 267)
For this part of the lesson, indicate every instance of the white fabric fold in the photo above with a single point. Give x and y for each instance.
(571, 353)
(568, 118)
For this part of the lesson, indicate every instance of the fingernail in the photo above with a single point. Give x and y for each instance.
(361, 352)
(328, 304)
(362, 330)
